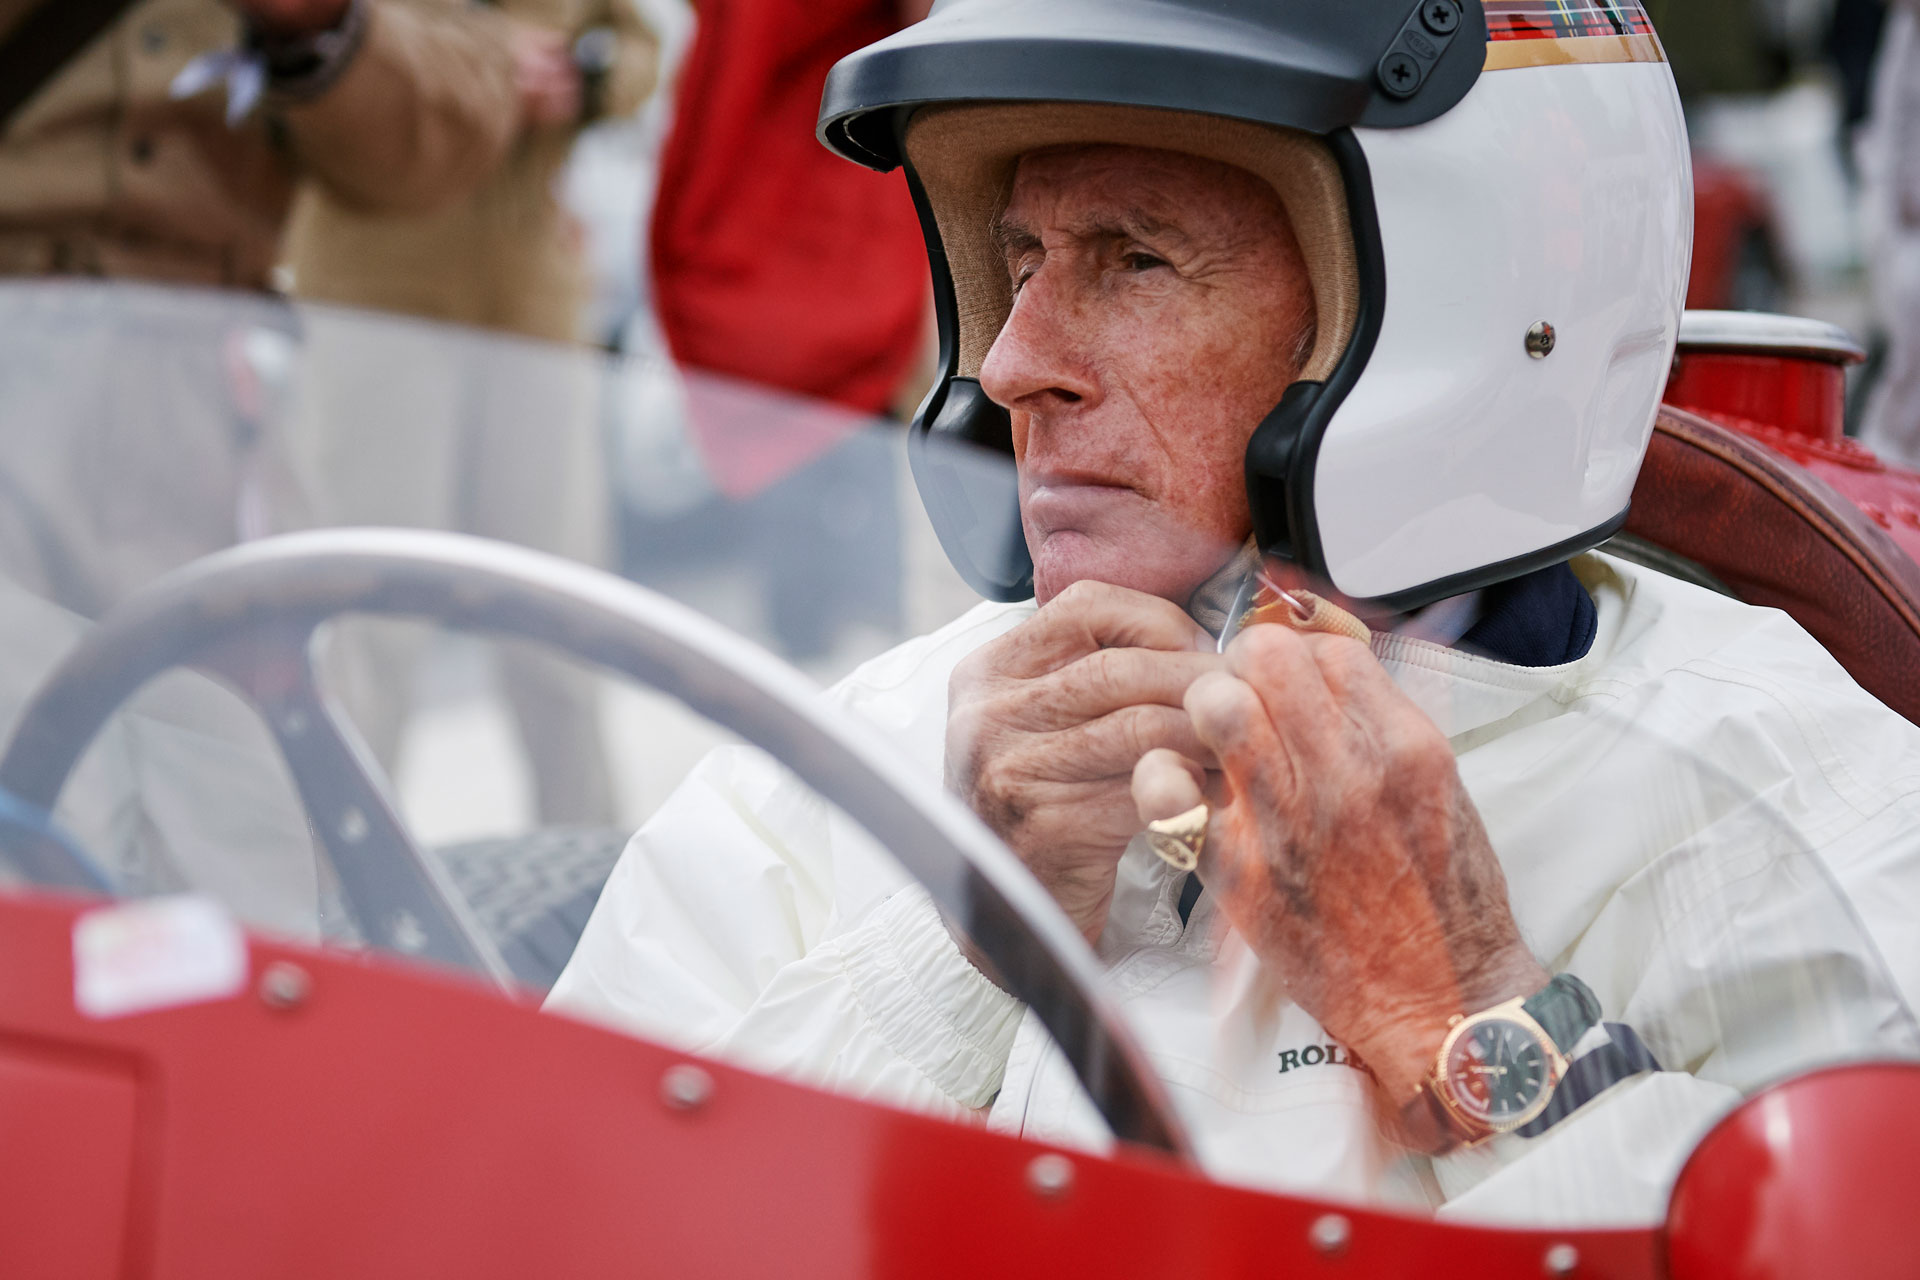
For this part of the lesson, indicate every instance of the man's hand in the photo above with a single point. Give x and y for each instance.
(1344, 848)
(292, 19)
(549, 83)
(1046, 723)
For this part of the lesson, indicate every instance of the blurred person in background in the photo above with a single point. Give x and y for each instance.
(1851, 46)
(144, 424)
(505, 257)
(123, 166)
(407, 425)
(773, 264)
(1716, 47)
(1722, 50)
(1889, 156)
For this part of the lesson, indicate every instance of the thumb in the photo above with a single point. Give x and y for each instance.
(1166, 784)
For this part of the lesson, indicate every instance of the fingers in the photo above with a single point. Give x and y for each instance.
(1324, 694)
(1089, 616)
(1110, 746)
(1229, 719)
(1283, 667)
(1333, 703)
(1167, 784)
(534, 40)
(1076, 827)
(1111, 679)
(1300, 712)
(1260, 760)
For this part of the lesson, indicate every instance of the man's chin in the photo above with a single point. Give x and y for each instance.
(1067, 558)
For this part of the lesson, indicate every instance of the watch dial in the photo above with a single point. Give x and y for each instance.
(1496, 1072)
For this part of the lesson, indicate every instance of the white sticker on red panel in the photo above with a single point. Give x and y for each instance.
(134, 957)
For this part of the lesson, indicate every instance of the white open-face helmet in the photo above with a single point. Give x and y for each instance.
(1493, 200)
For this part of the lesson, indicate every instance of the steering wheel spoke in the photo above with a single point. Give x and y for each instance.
(400, 898)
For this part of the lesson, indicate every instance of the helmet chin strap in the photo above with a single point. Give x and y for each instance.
(1242, 592)
(1226, 595)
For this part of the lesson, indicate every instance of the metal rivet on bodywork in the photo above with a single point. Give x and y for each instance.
(685, 1087)
(1330, 1233)
(1540, 340)
(407, 934)
(1562, 1260)
(1050, 1176)
(284, 985)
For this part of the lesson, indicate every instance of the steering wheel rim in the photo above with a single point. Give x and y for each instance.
(241, 612)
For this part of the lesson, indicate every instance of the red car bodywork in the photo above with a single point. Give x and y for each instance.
(389, 1123)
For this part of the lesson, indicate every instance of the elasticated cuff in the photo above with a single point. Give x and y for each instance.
(932, 1007)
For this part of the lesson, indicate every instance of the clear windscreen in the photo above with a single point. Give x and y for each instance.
(147, 428)
(1701, 818)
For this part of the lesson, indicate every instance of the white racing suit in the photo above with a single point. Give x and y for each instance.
(1704, 818)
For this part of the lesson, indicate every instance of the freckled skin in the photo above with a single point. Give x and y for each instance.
(1161, 299)
(1161, 307)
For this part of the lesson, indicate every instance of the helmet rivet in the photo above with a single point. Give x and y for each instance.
(1540, 340)
(1442, 17)
(1400, 75)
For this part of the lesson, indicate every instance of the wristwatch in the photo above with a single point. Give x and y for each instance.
(1497, 1069)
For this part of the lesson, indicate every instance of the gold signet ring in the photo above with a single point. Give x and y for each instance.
(1179, 839)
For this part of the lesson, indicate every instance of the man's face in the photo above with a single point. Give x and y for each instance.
(1159, 304)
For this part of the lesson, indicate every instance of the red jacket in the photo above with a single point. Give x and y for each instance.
(773, 259)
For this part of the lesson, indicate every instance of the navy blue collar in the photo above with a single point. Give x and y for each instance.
(1540, 620)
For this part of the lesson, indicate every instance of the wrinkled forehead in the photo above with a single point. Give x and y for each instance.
(1104, 189)
(969, 160)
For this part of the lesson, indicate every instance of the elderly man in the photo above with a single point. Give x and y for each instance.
(1462, 889)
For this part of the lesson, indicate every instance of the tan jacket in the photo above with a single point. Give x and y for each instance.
(103, 173)
(507, 257)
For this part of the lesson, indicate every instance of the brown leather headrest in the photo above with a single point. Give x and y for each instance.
(1777, 536)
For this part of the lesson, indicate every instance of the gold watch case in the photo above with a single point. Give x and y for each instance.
(1496, 1071)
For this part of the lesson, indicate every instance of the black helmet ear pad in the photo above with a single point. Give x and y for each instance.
(1279, 468)
(961, 452)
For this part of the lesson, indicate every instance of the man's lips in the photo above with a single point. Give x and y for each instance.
(1061, 500)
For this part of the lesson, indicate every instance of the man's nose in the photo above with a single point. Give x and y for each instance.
(1043, 358)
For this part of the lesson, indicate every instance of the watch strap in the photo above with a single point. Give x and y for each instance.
(1566, 1010)
(1623, 1056)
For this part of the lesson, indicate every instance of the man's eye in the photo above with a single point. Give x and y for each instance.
(1143, 261)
